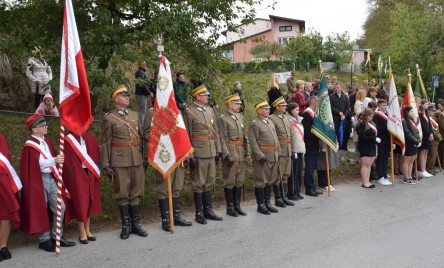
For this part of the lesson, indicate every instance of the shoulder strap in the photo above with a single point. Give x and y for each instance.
(203, 123)
(128, 124)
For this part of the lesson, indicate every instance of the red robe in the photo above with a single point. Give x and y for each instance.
(9, 208)
(84, 188)
(34, 212)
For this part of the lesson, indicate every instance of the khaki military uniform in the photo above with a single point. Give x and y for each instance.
(431, 154)
(264, 143)
(232, 143)
(201, 124)
(161, 184)
(121, 150)
(283, 132)
(439, 115)
(291, 84)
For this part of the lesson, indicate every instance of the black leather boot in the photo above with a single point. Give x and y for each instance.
(277, 196)
(267, 196)
(198, 203)
(260, 199)
(284, 188)
(126, 222)
(136, 227)
(208, 208)
(165, 214)
(237, 198)
(230, 203)
(178, 220)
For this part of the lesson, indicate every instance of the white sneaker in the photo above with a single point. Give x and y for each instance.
(326, 188)
(387, 180)
(383, 181)
(424, 174)
(431, 175)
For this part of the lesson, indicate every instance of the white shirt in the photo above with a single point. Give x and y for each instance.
(45, 163)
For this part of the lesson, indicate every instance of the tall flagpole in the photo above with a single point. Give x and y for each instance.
(158, 40)
(59, 192)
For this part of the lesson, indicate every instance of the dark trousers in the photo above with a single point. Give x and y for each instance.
(322, 178)
(382, 159)
(294, 180)
(345, 133)
(310, 166)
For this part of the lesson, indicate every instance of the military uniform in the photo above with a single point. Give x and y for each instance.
(265, 147)
(431, 154)
(122, 159)
(161, 184)
(233, 153)
(201, 124)
(283, 132)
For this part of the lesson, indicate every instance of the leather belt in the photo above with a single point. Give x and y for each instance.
(209, 137)
(125, 144)
(269, 147)
(239, 143)
(285, 141)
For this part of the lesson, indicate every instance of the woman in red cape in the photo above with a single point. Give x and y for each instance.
(82, 185)
(9, 209)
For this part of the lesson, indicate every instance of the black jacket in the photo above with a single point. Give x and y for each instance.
(311, 140)
(339, 104)
(142, 83)
(411, 134)
(381, 126)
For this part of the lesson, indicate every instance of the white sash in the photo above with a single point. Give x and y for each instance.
(54, 170)
(14, 179)
(83, 155)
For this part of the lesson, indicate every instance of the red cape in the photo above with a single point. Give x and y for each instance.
(9, 209)
(34, 212)
(84, 188)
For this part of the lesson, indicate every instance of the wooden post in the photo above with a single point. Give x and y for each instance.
(327, 166)
(392, 159)
(170, 204)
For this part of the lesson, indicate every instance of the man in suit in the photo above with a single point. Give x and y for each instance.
(233, 153)
(340, 108)
(122, 160)
(265, 154)
(202, 127)
(380, 118)
(311, 146)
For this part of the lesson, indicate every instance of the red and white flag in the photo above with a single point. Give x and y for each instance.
(394, 121)
(169, 143)
(75, 103)
(409, 100)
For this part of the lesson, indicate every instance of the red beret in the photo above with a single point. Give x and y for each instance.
(33, 120)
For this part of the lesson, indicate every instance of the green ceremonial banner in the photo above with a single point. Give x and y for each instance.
(323, 126)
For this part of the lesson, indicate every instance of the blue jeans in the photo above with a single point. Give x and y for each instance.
(310, 166)
(141, 101)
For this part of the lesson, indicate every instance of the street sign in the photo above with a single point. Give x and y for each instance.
(435, 81)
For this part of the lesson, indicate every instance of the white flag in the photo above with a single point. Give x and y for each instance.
(394, 122)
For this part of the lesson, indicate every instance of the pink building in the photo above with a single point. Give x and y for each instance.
(275, 29)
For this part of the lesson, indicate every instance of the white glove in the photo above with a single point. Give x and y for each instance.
(378, 140)
(394, 146)
(417, 146)
(295, 156)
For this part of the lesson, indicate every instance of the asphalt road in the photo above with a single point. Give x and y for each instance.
(400, 226)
